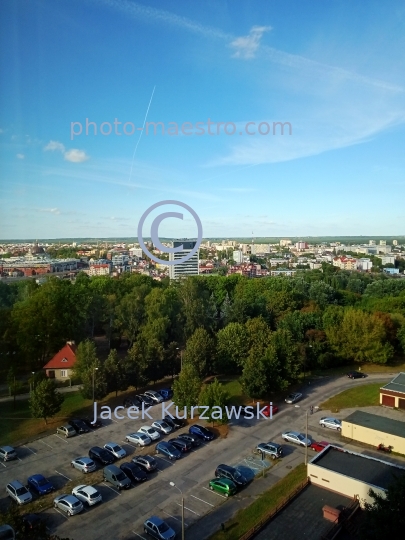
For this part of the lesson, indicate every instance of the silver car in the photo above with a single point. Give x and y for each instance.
(331, 423)
(157, 398)
(140, 439)
(87, 494)
(83, 464)
(152, 433)
(115, 450)
(67, 431)
(162, 426)
(293, 398)
(7, 453)
(69, 504)
(18, 492)
(296, 438)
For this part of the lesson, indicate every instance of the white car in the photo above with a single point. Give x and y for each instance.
(138, 438)
(115, 450)
(293, 398)
(331, 423)
(87, 494)
(161, 425)
(296, 438)
(157, 398)
(152, 433)
(69, 504)
(83, 464)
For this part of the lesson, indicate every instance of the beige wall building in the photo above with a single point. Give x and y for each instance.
(393, 393)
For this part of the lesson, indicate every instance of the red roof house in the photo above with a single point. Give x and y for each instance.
(60, 366)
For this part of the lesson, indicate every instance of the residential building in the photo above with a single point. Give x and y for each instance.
(283, 272)
(388, 259)
(237, 256)
(284, 243)
(187, 268)
(136, 252)
(391, 271)
(393, 393)
(383, 242)
(102, 269)
(395, 242)
(301, 246)
(345, 263)
(364, 264)
(61, 365)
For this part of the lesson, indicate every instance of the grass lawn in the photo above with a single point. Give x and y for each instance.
(245, 519)
(359, 396)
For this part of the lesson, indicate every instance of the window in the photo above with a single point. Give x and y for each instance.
(64, 359)
(63, 373)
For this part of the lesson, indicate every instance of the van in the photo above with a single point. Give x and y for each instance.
(116, 477)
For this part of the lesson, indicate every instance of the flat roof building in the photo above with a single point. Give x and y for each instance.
(393, 393)
(187, 268)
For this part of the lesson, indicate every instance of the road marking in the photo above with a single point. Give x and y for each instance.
(3, 464)
(160, 470)
(67, 478)
(167, 461)
(215, 492)
(130, 444)
(46, 443)
(61, 513)
(29, 449)
(202, 500)
(56, 435)
(106, 485)
(167, 514)
(189, 509)
(139, 535)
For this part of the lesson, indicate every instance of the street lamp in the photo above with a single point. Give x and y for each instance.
(94, 370)
(33, 382)
(182, 509)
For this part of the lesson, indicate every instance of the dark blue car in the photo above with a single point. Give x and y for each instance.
(168, 450)
(201, 432)
(40, 484)
(166, 393)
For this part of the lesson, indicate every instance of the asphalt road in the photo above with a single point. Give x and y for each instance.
(121, 514)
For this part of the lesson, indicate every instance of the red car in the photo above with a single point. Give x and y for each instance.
(266, 410)
(319, 446)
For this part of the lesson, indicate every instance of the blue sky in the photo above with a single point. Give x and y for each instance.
(334, 70)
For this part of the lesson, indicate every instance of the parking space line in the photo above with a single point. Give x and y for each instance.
(60, 438)
(3, 464)
(61, 513)
(46, 443)
(189, 509)
(106, 485)
(29, 449)
(160, 470)
(167, 514)
(67, 478)
(129, 444)
(143, 538)
(167, 461)
(202, 500)
(212, 491)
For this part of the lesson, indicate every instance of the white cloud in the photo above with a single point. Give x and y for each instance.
(54, 145)
(20, 156)
(54, 211)
(76, 156)
(246, 46)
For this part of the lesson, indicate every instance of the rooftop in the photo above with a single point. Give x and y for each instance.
(63, 359)
(378, 423)
(397, 384)
(369, 470)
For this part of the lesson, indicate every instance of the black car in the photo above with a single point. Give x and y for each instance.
(175, 423)
(88, 421)
(101, 455)
(355, 375)
(134, 472)
(146, 399)
(181, 444)
(193, 439)
(148, 463)
(33, 521)
(226, 471)
(132, 402)
(78, 425)
(201, 431)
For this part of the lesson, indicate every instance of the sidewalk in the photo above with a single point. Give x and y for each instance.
(21, 397)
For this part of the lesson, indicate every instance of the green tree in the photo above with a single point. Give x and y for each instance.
(254, 378)
(401, 337)
(200, 350)
(186, 389)
(136, 365)
(214, 395)
(90, 371)
(115, 373)
(45, 401)
(232, 347)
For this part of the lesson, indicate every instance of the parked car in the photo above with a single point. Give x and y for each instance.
(156, 527)
(226, 471)
(181, 444)
(150, 432)
(83, 464)
(87, 494)
(89, 423)
(270, 449)
(7, 453)
(193, 439)
(148, 463)
(32, 521)
(132, 402)
(174, 422)
(140, 439)
(296, 438)
(18, 492)
(145, 399)
(40, 484)
(162, 426)
(319, 446)
(223, 485)
(331, 423)
(293, 398)
(355, 375)
(166, 393)
(79, 425)
(201, 432)
(116, 450)
(69, 504)
(134, 472)
(116, 477)
(67, 431)
(101, 455)
(155, 396)
(270, 410)
(168, 450)
(7, 532)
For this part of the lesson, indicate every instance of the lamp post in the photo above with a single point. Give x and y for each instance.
(94, 370)
(33, 382)
(182, 509)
